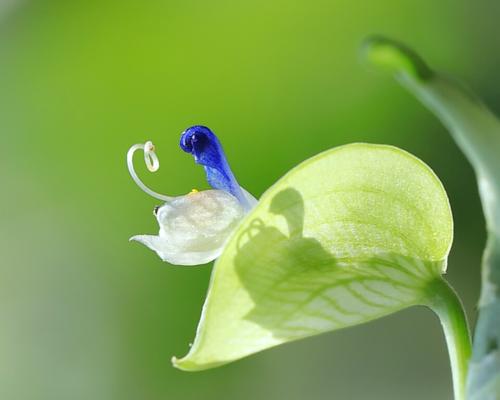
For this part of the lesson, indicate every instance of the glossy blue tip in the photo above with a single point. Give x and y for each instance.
(206, 149)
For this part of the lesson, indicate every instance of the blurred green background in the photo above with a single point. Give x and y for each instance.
(87, 315)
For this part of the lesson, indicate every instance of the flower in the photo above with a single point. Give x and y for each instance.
(350, 235)
(195, 227)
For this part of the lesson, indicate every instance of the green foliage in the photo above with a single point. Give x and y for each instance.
(477, 131)
(353, 234)
(395, 57)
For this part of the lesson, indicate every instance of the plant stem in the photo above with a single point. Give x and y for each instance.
(445, 303)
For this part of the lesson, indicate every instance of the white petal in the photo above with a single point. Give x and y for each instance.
(194, 228)
(172, 255)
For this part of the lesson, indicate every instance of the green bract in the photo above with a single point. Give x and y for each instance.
(353, 234)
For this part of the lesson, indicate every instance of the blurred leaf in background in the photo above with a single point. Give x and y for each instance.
(87, 315)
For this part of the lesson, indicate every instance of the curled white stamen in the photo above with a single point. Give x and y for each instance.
(152, 163)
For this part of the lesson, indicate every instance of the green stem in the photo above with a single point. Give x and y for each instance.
(445, 303)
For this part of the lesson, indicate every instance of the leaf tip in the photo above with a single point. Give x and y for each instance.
(178, 363)
(192, 362)
(395, 57)
(184, 364)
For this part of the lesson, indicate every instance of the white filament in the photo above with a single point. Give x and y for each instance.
(152, 163)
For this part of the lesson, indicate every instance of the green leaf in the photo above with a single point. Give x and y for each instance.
(395, 57)
(353, 234)
(477, 132)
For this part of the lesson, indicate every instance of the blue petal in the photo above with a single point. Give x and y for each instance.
(206, 149)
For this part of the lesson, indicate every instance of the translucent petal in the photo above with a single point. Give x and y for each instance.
(174, 255)
(194, 227)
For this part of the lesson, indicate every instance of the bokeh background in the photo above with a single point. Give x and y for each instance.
(84, 314)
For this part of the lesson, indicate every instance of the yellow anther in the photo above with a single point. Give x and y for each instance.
(193, 191)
